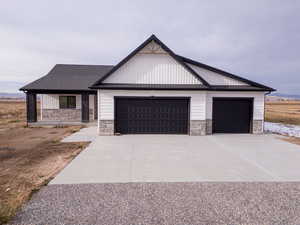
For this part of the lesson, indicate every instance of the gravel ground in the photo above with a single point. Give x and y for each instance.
(164, 203)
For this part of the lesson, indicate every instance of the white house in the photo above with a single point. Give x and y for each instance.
(151, 91)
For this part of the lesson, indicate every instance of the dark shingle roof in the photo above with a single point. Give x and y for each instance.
(69, 77)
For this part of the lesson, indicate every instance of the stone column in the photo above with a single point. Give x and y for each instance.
(257, 126)
(197, 127)
(208, 126)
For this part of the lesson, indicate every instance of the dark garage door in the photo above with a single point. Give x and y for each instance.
(232, 115)
(152, 115)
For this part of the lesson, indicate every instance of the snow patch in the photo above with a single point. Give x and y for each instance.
(280, 128)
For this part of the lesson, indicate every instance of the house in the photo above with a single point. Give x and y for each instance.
(152, 90)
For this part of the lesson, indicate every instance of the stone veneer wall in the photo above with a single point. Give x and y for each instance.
(197, 127)
(106, 127)
(208, 126)
(64, 115)
(257, 126)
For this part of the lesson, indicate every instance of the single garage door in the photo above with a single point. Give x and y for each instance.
(232, 115)
(151, 115)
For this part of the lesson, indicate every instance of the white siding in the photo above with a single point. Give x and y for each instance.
(258, 107)
(106, 101)
(215, 78)
(51, 101)
(152, 69)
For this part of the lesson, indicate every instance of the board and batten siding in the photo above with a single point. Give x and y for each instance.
(106, 101)
(51, 101)
(215, 78)
(152, 69)
(258, 104)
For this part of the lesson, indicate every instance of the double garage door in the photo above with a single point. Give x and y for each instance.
(150, 115)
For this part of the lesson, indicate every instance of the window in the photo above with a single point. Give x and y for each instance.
(67, 102)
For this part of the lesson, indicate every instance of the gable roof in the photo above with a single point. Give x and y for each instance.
(164, 47)
(67, 77)
(77, 78)
(224, 73)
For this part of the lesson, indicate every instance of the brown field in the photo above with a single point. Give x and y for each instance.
(29, 157)
(287, 112)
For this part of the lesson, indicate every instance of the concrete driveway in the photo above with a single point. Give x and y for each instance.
(181, 158)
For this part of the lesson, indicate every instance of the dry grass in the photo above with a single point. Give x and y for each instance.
(13, 114)
(287, 112)
(29, 157)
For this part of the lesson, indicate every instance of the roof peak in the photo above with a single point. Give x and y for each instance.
(165, 48)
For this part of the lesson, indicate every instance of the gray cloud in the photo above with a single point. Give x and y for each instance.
(256, 39)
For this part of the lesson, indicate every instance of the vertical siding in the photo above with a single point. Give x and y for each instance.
(258, 106)
(215, 78)
(152, 69)
(106, 101)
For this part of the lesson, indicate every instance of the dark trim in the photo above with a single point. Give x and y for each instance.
(51, 91)
(200, 88)
(152, 97)
(251, 100)
(224, 73)
(85, 109)
(134, 52)
(188, 98)
(150, 88)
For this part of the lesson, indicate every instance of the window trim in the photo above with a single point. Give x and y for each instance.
(68, 106)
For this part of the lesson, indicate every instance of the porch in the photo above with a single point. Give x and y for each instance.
(61, 108)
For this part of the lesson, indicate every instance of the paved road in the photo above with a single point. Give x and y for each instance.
(164, 203)
(182, 158)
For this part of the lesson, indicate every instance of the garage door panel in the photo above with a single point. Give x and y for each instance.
(152, 116)
(232, 115)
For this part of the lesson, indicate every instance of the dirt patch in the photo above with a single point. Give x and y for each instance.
(293, 140)
(287, 112)
(29, 157)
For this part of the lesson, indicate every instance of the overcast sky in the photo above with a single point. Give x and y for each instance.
(256, 39)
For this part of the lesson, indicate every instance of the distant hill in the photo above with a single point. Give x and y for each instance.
(282, 97)
(12, 95)
(285, 95)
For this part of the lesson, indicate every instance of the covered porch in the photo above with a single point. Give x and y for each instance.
(61, 107)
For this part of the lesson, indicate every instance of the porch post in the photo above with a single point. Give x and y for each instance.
(96, 106)
(31, 107)
(85, 114)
